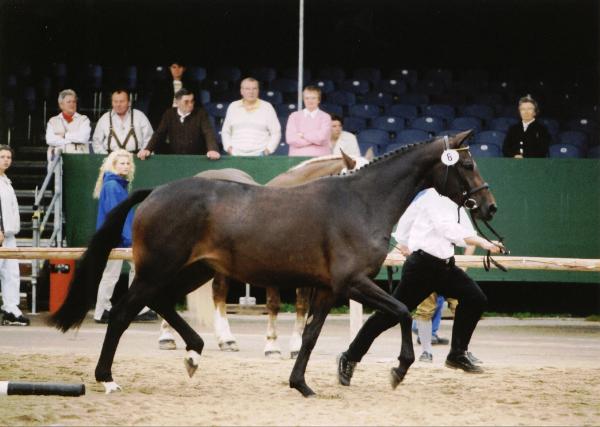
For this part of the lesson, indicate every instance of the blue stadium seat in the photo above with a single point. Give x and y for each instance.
(418, 99)
(282, 149)
(392, 86)
(216, 109)
(366, 111)
(228, 74)
(409, 76)
(335, 74)
(332, 108)
(449, 132)
(594, 152)
(443, 111)
(372, 75)
(485, 150)
(374, 136)
(342, 98)
(466, 123)
(410, 136)
(388, 123)
(204, 97)
(481, 111)
(273, 96)
(326, 86)
(263, 74)
(284, 85)
(285, 109)
(354, 124)
(565, 151)
(402, 110)
(355, 86)
(551, 124)
(490, 137)
(429, 124)
(197, 74)
(502, 124)
(364, 147)
(378, 98)
(507, 111)
(583, 124)
(573, 137)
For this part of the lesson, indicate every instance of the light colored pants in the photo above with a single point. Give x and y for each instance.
(11, 280)
(107, 285)
(426, 309)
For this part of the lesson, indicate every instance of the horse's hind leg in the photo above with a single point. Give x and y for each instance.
(121, 316)
(302, 296)
(273, 302)
(225, 338)
(320, 305)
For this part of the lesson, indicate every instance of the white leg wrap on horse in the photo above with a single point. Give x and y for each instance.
(166, 340)
(222, 330)
(296, 337)
(111, 387)
(191, 360)
(272, 347)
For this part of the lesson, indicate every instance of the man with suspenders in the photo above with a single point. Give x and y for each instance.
(122, 128)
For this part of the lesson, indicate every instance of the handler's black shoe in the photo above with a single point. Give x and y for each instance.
(473, 359)
(149, 316)
(461, 361)
(9, 319)
(345, 369)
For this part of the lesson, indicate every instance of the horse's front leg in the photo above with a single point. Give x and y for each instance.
(225, 338)
(273, 303)
(320, 305)
(302, 296)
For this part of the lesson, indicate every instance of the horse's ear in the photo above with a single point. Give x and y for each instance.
(459, 138)
(348, 161)
(370, 155)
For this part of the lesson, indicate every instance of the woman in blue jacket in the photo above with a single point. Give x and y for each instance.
(114, 180)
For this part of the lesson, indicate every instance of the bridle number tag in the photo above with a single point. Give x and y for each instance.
(450, 157)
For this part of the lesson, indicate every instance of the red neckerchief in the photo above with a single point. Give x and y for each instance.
(68, 118)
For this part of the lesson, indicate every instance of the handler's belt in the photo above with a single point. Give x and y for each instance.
(430, 258)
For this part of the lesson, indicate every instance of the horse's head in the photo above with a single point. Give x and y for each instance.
(458, 178)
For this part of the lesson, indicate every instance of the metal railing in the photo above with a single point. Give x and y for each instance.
(41, 215)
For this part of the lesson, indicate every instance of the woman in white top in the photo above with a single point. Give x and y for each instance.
(342, 140)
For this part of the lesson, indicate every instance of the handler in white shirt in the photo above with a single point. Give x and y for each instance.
(426, 233)
(251, 127)
(69, 130)
(342, 140)
(122, 127)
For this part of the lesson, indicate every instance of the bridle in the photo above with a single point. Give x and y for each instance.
(471, 205)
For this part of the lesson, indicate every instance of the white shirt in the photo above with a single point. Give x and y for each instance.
(121, 127)
(10, 207)
(182, 116)
(60, 133)
(431, 224)
(311, 114)
(347, 142)
(249, 133)
(526, 124)
(177, 85)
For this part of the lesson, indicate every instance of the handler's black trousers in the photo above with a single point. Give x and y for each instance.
(423, 274)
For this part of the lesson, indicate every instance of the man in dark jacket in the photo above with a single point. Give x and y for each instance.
(529, 138)
(189, 130)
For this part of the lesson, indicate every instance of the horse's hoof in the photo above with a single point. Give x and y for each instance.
(273, 354)
(396, 377)
(167, 344)
(228, 346)
(191, 362)
(111, 387)
(294, 354)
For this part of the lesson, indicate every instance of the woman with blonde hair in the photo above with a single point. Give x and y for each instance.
(114, 180)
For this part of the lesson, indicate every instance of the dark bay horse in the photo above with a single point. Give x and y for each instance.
(332, 234)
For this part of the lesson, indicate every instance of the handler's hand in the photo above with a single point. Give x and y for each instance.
(404, 250)
(495, 247)
(213, 155)
(143, 154)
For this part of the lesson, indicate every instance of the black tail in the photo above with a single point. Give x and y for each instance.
(84, 286)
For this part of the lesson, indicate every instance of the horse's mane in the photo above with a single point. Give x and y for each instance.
(316, 160)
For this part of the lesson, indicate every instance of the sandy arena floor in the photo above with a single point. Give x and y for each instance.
(538, 372)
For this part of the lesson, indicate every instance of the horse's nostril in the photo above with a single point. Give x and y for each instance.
(493, 208)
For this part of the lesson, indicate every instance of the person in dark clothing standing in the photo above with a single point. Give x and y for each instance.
(188, 128)
(529, 138)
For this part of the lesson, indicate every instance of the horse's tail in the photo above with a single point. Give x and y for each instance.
(84, 286)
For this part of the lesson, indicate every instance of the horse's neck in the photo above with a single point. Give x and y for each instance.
(389, 185)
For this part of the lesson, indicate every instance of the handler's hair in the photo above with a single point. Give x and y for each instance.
(109, 165)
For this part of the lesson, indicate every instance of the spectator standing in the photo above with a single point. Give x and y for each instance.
(529, 138)
(69, 130)
(10, 225)
(342, 140)
(251, 127)
(122, 128)
(308, 132)
(188, 128)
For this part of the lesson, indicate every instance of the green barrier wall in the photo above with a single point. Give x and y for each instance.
(547, 208)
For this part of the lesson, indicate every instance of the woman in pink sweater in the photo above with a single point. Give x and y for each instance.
(308, 131)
